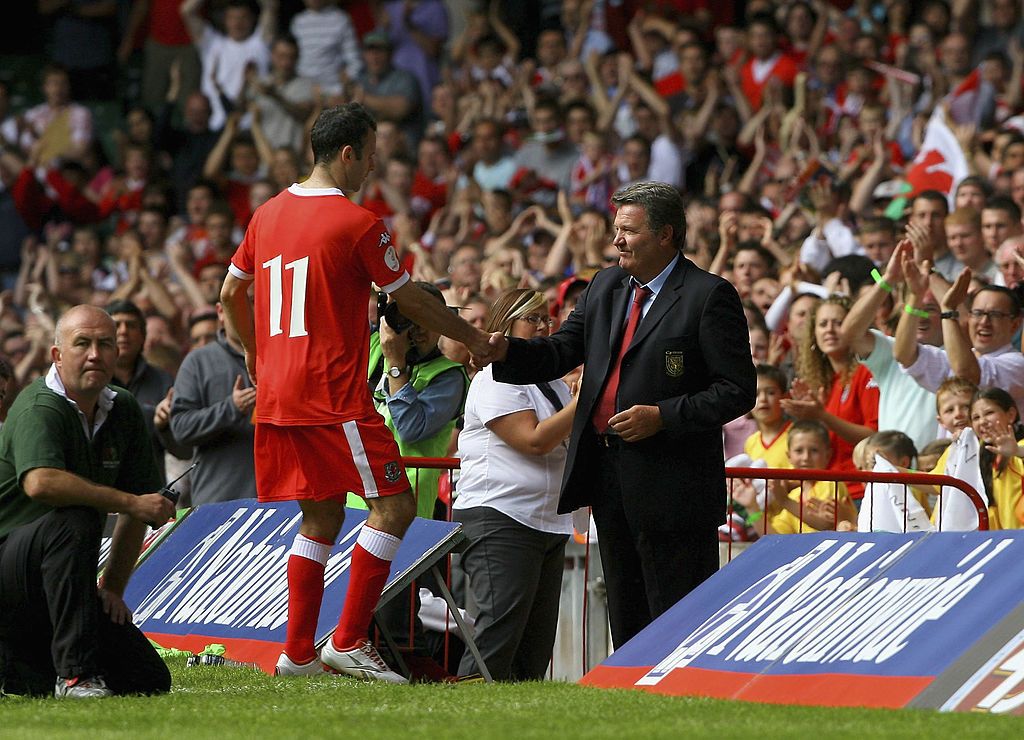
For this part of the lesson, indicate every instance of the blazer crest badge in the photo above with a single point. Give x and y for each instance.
(674, 364)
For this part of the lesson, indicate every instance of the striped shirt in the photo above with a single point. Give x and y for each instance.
(327, 43)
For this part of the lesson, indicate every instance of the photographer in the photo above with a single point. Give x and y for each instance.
(420, 393)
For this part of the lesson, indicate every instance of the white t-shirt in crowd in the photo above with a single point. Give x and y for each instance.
(522, 487)
(227, 59)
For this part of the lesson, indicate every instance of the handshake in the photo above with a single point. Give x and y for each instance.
(487, 348)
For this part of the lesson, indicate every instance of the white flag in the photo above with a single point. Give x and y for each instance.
(956, 510)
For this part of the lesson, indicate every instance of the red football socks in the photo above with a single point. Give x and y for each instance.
(306, 564)
(371, 563)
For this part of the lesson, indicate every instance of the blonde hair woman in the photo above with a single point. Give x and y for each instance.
(513, 452)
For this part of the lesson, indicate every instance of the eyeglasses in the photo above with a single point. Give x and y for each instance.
(538, 320)
(978, 315)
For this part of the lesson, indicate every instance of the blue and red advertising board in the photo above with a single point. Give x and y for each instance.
(826, 619)
(220, 577)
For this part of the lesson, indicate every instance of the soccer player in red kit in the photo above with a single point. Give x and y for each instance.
(313, 255)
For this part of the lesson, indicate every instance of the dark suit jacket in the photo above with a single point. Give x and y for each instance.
(690, 356)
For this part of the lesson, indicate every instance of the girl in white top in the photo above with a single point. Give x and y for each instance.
(513, 453)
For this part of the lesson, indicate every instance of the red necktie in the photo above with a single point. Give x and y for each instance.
(606, 405)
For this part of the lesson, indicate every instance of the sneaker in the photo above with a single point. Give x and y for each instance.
(285, 667)
(361, 661)
(82, 688)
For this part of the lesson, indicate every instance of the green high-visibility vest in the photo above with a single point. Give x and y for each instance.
(424, 481)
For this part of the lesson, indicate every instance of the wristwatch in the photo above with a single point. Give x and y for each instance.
(396, 372)
(949, 315)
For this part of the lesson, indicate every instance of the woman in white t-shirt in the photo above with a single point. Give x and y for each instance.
(513, 450)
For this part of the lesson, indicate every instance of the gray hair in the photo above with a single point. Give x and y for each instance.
(661, 202)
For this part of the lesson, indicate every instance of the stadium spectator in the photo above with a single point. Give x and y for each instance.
(831, 387)
(149, 385)
(328, 45)
(902, 402)
(212, 412)
(390, 93)
(417, 32)
(983, 354)
(226, 56)
(813, 505)
(57, 127)
(167, 51)
(284, 99)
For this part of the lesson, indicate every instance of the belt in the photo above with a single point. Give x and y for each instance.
(610, 441)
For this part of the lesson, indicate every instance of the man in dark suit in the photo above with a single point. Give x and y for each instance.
(646, 446)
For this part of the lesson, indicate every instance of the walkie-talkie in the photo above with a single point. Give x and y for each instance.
(168, 491)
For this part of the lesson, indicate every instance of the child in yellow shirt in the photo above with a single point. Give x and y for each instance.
(768, 443)
(809, 506)
(995, 420)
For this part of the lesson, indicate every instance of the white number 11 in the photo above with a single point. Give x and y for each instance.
(297, 314)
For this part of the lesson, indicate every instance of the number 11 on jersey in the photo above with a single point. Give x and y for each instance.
(297, 313)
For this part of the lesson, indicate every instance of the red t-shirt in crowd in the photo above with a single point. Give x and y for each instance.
(784, 69)
(313, 254)
(237, 193)
(166, 25)
(856, 402)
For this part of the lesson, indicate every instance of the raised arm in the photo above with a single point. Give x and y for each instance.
(905, 348)
(854, 330)
(214, 166)
(266, 26)
(957, 344)
(194, 23)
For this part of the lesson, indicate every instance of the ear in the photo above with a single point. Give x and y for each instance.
(668, 232)
(55, 355)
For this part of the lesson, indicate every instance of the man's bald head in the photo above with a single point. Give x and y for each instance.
(80, 315)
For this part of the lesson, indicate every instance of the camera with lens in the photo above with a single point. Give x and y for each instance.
(398, 322)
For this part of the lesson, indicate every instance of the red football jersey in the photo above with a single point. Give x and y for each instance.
(313, 254)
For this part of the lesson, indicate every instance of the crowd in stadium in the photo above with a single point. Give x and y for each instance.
(854, 169)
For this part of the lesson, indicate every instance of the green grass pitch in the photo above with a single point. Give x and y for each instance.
(226, 703)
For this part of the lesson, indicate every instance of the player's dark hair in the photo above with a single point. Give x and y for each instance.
(338, 127)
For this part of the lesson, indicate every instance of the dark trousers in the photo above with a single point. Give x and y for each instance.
(515, 574)
(646, 571)
(51, 618)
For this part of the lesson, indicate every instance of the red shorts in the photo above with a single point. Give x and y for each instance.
(324, 463)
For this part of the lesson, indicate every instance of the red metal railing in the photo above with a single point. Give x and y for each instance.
(868, 477)
(855, 476)
(736, 473)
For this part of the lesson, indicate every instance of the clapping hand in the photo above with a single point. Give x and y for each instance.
(957, 292)
(804, 404)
